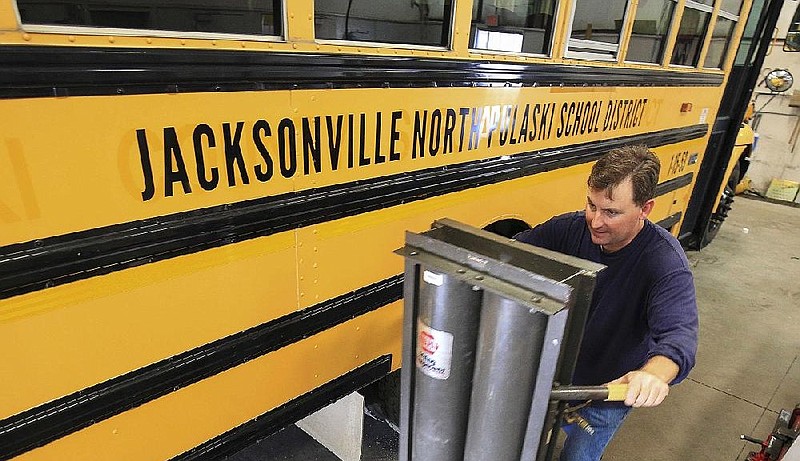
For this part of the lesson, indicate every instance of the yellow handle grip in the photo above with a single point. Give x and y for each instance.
(617, 392)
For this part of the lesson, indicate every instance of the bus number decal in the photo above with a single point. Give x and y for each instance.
(678, 162)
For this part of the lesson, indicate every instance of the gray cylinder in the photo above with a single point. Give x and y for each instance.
(509, 348)
(446, 330)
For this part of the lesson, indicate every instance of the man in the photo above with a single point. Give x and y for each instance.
(642, 323)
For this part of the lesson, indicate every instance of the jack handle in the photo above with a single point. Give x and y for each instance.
(610, 392)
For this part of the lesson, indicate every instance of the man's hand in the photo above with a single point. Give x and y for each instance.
(644, 389)
(649, 386)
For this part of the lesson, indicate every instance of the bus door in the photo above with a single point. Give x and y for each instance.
(706, 212)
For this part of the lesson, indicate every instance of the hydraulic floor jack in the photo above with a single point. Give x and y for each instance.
(776, 445)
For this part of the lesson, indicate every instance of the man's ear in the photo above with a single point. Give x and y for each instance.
(647, 208)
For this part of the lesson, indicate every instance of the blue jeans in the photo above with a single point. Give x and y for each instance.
(582, 446)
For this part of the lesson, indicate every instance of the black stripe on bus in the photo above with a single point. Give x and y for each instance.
(31, 266)
(43, 424)
(674, 184)
(238, 438)
(670, 221)
(47, 71)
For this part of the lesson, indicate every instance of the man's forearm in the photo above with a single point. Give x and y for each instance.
(662, 367)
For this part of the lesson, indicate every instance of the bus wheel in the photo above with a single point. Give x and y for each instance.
(724, 206)
(382, 398)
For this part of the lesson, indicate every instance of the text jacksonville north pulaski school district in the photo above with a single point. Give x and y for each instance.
(257, 151)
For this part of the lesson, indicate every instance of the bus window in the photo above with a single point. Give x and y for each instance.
(525, 27)
(650, 31)
(251, 17)
(384, 21)
(596, 29)
(692, 32)
(723, 31)
(747, 47)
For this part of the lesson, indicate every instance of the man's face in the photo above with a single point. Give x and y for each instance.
(614, 221)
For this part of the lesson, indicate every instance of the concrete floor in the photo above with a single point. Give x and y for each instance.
(748, 366)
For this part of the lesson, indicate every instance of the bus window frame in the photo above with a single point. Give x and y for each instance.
(712, 20)
(600, 46)
(451, 32)
(157, 33)
(553, 36)
(668, 42)
(353, 44)
(712, 25)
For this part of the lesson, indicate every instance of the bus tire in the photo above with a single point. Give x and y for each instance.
(389, 396)
(382, 398)
(723, 208)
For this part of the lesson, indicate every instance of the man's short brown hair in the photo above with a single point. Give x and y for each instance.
(635, 162)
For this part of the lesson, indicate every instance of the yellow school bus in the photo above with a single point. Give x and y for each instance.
(199, 200)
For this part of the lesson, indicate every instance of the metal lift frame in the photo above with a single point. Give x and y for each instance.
(517, 281)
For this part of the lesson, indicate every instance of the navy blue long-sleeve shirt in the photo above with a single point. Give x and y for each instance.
(643, 303)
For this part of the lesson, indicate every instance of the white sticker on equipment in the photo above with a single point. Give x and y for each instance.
(433, 278)
(434, 351)
(703, 115)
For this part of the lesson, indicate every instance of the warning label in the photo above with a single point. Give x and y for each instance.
(434, 351)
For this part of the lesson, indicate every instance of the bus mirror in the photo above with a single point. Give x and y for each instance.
(779, 80)
(792, 42)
